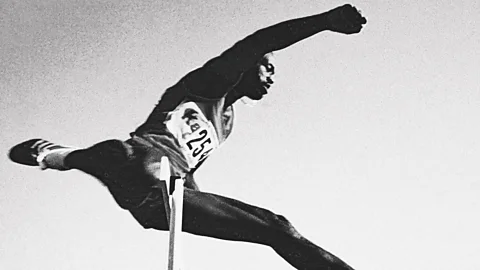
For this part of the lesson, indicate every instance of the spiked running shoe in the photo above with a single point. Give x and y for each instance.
(32, 152)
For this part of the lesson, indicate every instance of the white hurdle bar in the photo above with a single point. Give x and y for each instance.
(176, 213)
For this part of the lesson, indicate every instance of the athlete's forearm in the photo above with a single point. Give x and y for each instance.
(227, 68)
(245, 53)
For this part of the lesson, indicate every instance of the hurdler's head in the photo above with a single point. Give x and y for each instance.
(256, 81)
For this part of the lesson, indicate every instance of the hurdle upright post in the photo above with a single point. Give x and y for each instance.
(175, 190)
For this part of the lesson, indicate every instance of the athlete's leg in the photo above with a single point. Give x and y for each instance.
(225, 218)
(211, 215)
(122, 168)
(116, 164)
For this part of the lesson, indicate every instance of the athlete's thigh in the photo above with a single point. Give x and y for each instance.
(104, 160)
(226, 218)
(120, 166)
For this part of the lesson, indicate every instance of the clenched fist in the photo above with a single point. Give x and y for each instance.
(345, 19)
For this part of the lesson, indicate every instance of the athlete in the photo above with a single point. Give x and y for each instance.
(191, 120)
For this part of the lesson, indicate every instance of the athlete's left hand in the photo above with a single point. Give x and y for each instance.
(345, 19)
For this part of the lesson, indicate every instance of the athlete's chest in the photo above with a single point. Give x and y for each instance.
(199, 129)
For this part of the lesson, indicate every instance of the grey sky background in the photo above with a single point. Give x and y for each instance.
(368, 144)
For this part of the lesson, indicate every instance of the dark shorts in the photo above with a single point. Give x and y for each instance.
(129, 169)
(151, 212)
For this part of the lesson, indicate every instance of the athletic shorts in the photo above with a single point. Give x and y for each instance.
(129, 168)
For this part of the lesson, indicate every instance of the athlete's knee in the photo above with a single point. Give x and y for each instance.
(285, 226)
(277, 224)
(159, 223)
(152, 214)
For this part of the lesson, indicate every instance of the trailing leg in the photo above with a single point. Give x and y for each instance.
(224, 218)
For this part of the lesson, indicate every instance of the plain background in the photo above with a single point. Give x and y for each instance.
(368, 144)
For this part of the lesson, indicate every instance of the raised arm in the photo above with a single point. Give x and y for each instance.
(220, 74)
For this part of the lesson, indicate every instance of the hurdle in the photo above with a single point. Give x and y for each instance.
(174, 207)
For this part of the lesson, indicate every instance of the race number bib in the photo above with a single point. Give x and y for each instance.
(196, 135)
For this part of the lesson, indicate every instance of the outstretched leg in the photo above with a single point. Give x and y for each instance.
(220, 217)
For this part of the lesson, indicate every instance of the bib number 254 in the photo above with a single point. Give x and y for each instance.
(200, 144)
